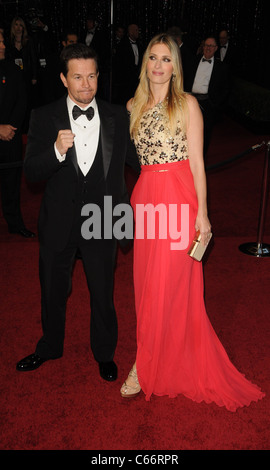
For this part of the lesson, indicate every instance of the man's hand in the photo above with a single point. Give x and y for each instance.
(64, 141)
(7, 132)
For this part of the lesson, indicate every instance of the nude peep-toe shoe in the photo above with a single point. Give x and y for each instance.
(129, 391)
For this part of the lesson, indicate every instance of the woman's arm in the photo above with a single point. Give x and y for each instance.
(195, 151)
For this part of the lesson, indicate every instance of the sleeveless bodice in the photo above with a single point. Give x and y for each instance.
(154, 142)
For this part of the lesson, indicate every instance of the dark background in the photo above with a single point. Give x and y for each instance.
(247, 20)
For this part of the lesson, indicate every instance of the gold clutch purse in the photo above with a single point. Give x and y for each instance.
(197, 248)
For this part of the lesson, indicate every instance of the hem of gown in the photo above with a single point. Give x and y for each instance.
(232, 408)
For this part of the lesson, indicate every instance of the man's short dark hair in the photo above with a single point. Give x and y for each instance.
(76, 51)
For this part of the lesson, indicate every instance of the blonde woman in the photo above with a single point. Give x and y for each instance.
(22, 50)
(18, 33)
(177, 348)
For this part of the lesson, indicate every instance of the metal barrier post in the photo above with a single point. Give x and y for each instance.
(260, 249)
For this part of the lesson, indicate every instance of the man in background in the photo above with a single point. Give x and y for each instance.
(207, 79)
(13, 105)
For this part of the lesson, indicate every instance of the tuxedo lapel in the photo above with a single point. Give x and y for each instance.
(107, 129)
(61, 119)
(214, 74)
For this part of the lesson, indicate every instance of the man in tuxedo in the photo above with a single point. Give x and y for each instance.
(128, 60)
(13, 103)
(82, 157)
(98, 38)
(207, 79)
(185, 52)
(227, 52)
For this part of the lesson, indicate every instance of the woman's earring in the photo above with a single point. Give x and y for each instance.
(173, 77)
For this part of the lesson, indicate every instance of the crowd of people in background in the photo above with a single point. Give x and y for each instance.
(208, 69)
(33, 47)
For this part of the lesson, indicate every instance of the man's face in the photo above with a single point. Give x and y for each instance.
(71, 39)
(223, 38)
(133, 32)
(81, 81)
(209, 48)
(2, 47)
(120, 32)
(90, 24)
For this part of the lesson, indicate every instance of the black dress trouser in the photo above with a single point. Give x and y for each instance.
(55, 268)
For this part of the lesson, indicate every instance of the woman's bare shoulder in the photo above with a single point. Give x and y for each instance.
(129, 105)
(191, 100)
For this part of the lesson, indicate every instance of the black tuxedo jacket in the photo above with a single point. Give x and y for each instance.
(59, 201)
(232, 56)
(126, 55)
(13, 104)
(219, 82)
(126, 73)
(101, 45)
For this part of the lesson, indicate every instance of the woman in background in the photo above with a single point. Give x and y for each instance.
(22, 51)
(177, 348)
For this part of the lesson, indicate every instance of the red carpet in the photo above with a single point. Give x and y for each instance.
(65, 405)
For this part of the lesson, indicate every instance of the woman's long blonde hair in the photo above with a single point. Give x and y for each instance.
(177, 105)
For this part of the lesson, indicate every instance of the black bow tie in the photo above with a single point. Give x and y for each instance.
(223, 46)
(89, 113)
(206, 60)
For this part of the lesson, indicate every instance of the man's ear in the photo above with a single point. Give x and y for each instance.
(63, 78)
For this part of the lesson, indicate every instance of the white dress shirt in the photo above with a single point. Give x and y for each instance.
(89, 37)
(202, 77)
(86, 136)
(135, 50)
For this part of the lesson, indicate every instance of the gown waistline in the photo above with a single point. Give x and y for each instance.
(161, 167)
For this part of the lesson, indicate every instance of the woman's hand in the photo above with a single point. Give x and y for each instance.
(202, 224)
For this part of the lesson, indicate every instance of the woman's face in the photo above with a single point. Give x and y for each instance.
(159, 66)
(18, 27)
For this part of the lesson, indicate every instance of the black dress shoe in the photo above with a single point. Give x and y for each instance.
(23, 232)
(31, 362)
(108, 371)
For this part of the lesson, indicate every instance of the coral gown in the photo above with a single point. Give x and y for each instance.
(178, 351)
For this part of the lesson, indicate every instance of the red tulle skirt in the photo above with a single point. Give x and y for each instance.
(178, 351)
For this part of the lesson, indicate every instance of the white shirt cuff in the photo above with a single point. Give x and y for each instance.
(59, 157)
